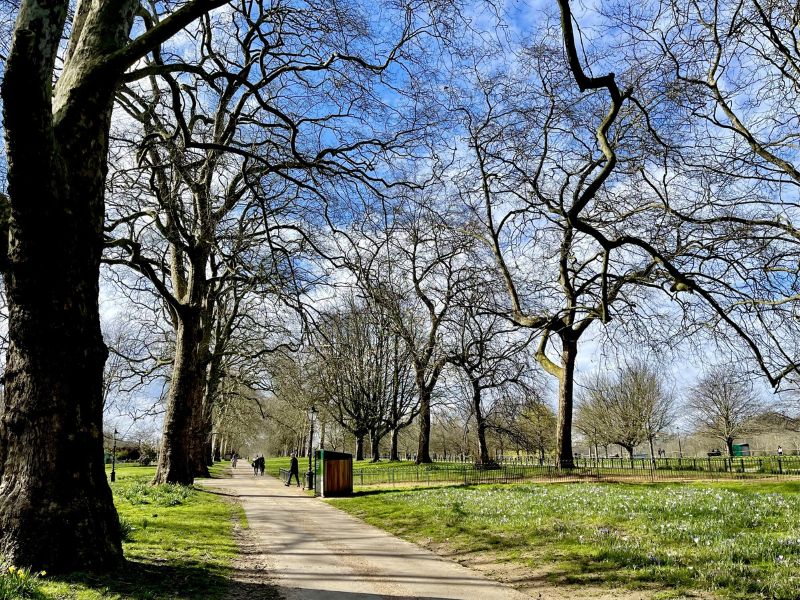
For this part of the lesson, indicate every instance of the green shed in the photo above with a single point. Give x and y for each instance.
(741, 449)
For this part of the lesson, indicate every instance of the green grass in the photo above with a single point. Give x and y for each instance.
(179, 544)
(274, 464)
(739, 540)
(219, 469)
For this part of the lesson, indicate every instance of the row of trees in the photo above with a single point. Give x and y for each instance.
(292, 200)
(635, 406)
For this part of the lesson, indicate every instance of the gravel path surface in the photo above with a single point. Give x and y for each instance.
(304, 549)
(299, 548)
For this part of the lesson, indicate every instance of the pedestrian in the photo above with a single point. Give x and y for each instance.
(780, 450)
(255, 465)
(294, 469)
(261, 465)
(234, 460)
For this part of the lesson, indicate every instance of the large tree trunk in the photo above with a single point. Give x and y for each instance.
(201, 445)
(566, 380)
(179, 441)
(424, 448)
(56, 510)
(483, 449)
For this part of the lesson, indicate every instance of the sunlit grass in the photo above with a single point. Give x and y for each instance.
(179, 544)
(742, 540)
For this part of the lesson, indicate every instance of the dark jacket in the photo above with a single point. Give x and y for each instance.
(294, 468)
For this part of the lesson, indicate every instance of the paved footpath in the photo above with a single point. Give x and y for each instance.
(313, 551)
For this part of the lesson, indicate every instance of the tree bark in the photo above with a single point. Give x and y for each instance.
(179, 441)
(729, 445)
(218, 452)
(56, 510)
(424, 448)
(360, 446)
(566, 380)
(375, 443)
(483, 449)
(394, 455)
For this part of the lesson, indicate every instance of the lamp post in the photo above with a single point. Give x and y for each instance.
(680, 450)
(114, 457)
(312, 412)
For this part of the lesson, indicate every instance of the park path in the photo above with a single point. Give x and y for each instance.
(312, 551)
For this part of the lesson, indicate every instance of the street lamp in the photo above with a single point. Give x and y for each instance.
(680, 450)
(114, 458)
(312, 412)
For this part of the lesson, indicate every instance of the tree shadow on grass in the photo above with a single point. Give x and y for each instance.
(147, 581)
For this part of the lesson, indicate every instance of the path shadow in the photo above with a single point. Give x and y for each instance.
(147, 581)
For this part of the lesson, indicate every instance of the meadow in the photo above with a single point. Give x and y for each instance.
(737, 540)
(178, 543)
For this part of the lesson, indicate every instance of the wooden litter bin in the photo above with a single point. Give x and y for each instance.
(334, 474)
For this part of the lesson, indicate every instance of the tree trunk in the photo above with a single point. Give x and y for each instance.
(209, 453)
(179, 441)
(424, 448)
(394, 455)
(219, 453)
(56, 510)
(375, 443)
(729, 445)
(201, 445)
(483, 449)
(566, 380)
(360, 446)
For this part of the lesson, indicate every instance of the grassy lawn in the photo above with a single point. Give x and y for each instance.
(273, 465)
(741, 540)
(179, 544)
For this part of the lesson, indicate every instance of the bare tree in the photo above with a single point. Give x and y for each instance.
(723, 404)
(57, 139)
(627, 409)
(364, 368)
(487, 349)
(723, 167)
(414, 262)
(234, 159)
(538, 426)
(548, 214)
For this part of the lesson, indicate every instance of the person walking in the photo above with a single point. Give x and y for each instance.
(234, 460)
(294, 469)
(261, 464)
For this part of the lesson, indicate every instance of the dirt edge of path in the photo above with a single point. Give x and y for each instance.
(251, 570)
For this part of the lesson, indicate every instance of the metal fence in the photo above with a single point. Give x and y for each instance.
(716, 468)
